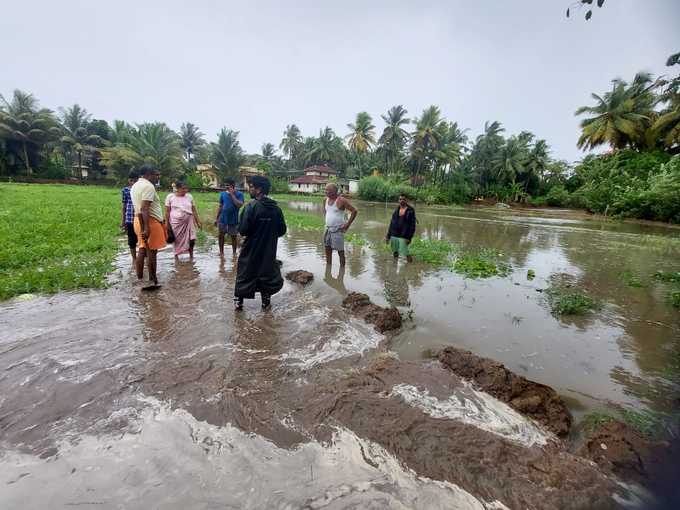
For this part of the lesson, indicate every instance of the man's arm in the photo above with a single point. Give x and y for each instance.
(122, 211)
(411, 227)
(144, 219)
(238, 203)
(346, 206)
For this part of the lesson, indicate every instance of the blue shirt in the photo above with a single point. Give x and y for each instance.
(229, 214)
(129, 208)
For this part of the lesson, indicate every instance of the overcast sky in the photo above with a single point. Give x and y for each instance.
(258, 66)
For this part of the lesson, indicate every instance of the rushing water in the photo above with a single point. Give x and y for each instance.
(626, 354)
(117, 398)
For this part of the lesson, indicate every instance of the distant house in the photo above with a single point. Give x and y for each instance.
(315, 179)
(209, 173)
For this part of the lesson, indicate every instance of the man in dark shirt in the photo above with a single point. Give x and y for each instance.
(128, 215)
(402, 228)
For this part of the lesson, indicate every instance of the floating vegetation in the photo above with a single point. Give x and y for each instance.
(432, 251)
(531, 274)
(565, 299)
(355, 239)
(483, 263)
(631, 279)
(667, 276)
(592, 421)
(674, 298)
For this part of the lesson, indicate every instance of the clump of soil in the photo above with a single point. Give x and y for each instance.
(618, 448)
(530, 398)
(300, 276)
(482, 463)
(384, 319)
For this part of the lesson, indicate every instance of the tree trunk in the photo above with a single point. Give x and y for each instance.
(26, 162)
(80, 164)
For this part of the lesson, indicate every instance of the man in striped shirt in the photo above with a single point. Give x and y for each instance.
(128, 215)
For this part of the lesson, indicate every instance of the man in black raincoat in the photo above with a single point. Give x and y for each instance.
(261, 224)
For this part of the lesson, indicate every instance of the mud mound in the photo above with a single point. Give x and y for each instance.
(621, 450)
(300, 276)
(530, 398)
(476, 460)
(384, 319)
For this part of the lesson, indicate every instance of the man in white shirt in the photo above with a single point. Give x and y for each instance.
(149, 224)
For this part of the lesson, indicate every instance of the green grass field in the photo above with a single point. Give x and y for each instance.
(56, 237)
(59, 237)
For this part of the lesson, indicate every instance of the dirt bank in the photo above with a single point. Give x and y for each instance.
(530, 398)
(384, 319)
(489, 466)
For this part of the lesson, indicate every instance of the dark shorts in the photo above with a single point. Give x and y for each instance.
(231, 230)
(131, 235)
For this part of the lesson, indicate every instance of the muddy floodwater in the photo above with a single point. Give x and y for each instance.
(116, 398)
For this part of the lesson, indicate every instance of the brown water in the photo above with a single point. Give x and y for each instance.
(117, 398)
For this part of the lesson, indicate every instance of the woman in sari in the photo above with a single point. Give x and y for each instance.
(182, 217)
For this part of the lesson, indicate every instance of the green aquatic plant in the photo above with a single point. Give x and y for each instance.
(674, 298)
(482, 263)
(531, 274)
(631, 279)
(592, 421)
(355, 239)
(667, 276)
(569, 301)
(432, 251)
(646, 422)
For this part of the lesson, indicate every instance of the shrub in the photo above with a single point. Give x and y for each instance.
(279, 185)
(557, 197)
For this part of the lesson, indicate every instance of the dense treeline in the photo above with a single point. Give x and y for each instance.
(430, 156)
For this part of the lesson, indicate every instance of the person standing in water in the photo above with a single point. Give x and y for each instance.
(262, 223)
(401, 229)
(128, 215)
(227, 215)
(148, 221)
(334, 207)
(180, 210)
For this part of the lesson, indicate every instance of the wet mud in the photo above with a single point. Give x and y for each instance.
(518, 474)
(300, 276)
(536, 401)
(384, 319)
(171, 399)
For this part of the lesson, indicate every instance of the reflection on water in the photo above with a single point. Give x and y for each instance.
(85, 372)
(619, 355)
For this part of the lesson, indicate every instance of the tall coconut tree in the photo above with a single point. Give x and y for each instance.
(361, 137)
(192, 140)
(268, 151)
(426, 138)
(25, 124)
(291, 143)
(394, 137)
(226, 153)
(326, 149)
(77, 138)
(621, 117)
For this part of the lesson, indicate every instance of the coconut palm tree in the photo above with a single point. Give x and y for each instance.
(291, 143)
(361, 137)
(24, 124)
(326, 149)
(227, 154)
(192, 140)
(426, 137)
(621, 117)
(77, 137)
(511, 160)
(268, 151)
(394, 136)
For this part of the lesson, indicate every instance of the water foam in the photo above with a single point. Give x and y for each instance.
(171, 460)
(475, 408)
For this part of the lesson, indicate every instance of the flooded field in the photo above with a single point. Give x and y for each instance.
(121, 399)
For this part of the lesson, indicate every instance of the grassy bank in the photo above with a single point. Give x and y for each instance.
(56, 237)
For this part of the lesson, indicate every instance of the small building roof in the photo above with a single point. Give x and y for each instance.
(310, 179)
(320, 168)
